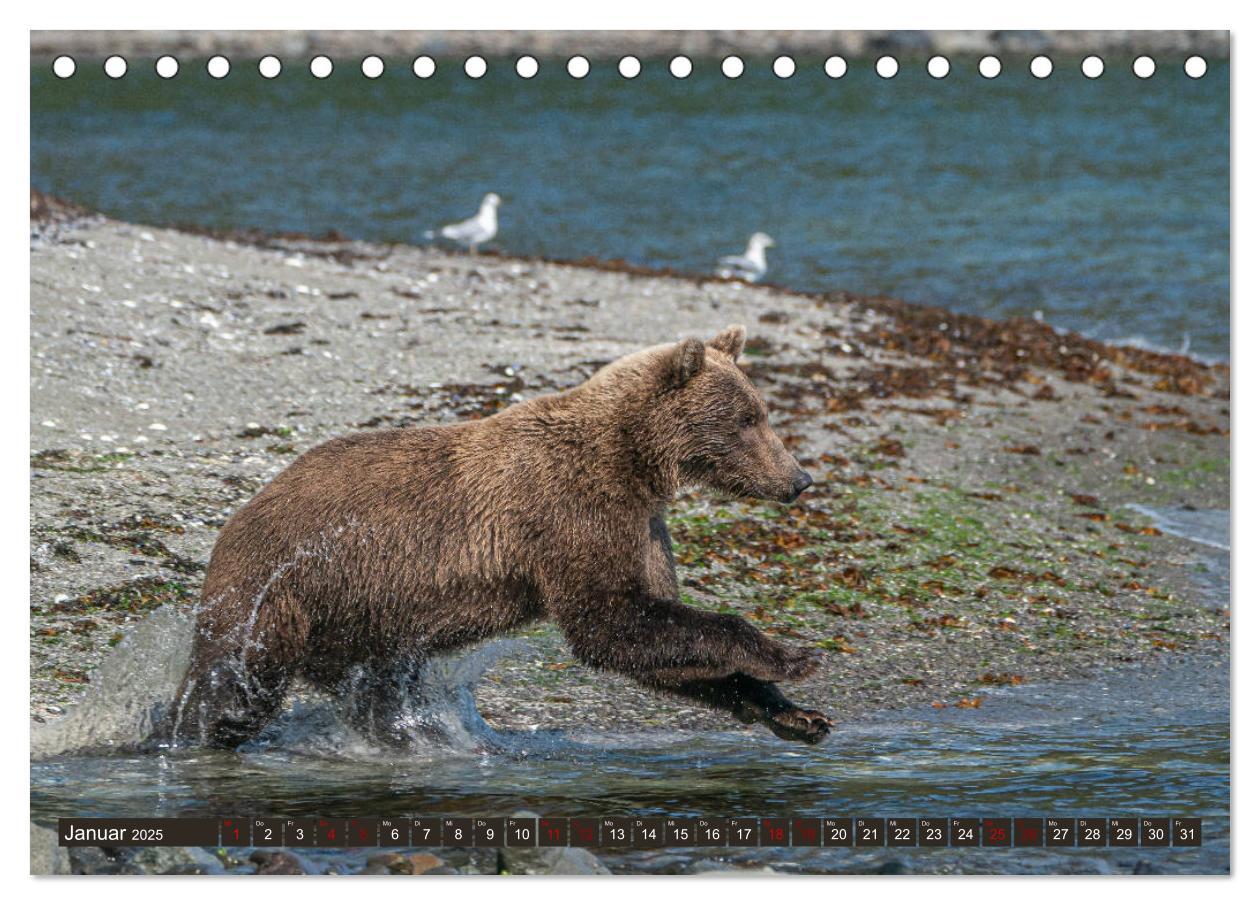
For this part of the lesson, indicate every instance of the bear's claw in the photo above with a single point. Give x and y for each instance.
(799, 725)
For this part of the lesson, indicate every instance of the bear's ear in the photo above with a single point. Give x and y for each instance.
(686, 360)
(730, 342)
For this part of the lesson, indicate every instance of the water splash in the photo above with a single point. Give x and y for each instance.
(432, 707)
(431, 710)
(130, 691)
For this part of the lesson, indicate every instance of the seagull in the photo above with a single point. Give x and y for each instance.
(476, 230)
(751, 265)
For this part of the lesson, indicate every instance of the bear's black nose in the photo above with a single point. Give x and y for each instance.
(800, 483)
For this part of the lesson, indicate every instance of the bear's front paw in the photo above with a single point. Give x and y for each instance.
(797, 725)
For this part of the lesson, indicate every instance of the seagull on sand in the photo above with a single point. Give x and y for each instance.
(476, 230)
(751, 265)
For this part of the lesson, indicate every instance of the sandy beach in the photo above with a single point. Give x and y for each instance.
(972, 525)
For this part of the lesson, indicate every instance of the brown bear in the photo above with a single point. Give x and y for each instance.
(380, 549)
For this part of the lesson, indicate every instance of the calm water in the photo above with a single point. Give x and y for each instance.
(1104, 205)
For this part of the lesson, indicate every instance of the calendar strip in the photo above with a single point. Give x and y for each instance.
(635, 832)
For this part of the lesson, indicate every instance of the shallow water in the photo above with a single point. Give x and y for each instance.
(1209, 532)
(1102, 204)
(1136, 741)
(1132, 743)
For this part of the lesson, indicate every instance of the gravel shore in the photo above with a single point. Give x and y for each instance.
(970, 528)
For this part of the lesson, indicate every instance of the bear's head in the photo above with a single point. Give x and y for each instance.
(718, 426)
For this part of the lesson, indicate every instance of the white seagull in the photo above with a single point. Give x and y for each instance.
(751, 265)
(476, 230)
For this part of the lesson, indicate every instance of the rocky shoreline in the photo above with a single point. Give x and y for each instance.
(613, 44)
(971, 526)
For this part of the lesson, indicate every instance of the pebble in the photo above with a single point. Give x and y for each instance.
(276, 862)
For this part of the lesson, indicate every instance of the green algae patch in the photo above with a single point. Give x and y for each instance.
(135, 597)
(861, 565)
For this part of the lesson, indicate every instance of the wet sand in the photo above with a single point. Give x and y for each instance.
(970, 529)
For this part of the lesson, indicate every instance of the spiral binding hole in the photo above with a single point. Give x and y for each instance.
(527, 67)
(423, 67)
(218, 67)
(269, 67)
(630, 67)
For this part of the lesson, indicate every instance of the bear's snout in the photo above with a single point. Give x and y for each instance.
(800, 483)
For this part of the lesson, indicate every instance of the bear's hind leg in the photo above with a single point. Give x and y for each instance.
(225, 701)
(376, 698)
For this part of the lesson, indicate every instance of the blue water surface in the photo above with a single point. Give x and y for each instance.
(1102, 204)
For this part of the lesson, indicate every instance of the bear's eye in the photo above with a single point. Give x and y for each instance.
(748, 421)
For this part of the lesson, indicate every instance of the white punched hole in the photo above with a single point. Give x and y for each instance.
(1092, 67)
(938, 67)
(423, 67)
(115, 67)
(579, 67)
(629, 67)
(167, 67)
(63, 67)
(373, 67)
(835, 67)
(269, 67)
(475, 67)
(732, 67)
(887, 67)
(527, 67)
(321, 67)
(784, 67)
(218, 67)
(990, 67)
(1196, 67)
(1041, 67)
(1144, 67)
(680, 67)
